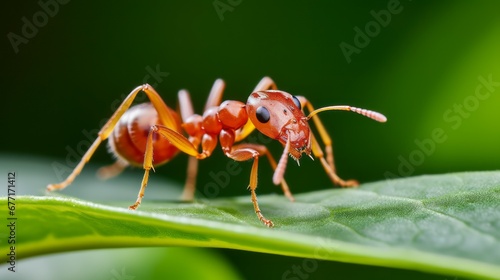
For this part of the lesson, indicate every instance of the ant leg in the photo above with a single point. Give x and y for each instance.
(163, 114)
(243, 154)
(264, 151)
(112, 170)
(190, 185)
(325, 137)
(265, 84)
(71, 177)
(316, 149)
(147, 165)
(215, 95)
(186, 110)
(182, 143)
(329, 163)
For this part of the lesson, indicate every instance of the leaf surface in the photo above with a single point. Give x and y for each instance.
(447, 224)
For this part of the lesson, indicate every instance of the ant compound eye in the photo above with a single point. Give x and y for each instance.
(262, 114)
(297, 102)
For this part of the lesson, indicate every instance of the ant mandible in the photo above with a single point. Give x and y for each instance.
(132, 134)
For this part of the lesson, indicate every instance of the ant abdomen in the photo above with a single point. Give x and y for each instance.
(129, 137)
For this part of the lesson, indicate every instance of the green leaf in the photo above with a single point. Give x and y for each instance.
(448, 224)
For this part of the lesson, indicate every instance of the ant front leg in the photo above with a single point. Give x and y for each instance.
(264, 151)
(243, 153)
(112, 170)
(328, 163)
(330, 170)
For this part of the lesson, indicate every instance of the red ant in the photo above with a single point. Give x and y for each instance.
(133, 135)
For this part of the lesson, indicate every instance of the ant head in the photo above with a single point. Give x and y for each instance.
(278, 115)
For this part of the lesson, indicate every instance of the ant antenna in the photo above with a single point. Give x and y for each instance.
(367, 113)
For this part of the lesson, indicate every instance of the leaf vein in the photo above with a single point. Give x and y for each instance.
(422, 204)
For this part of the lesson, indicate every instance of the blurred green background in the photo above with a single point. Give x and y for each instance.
(421, 67)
